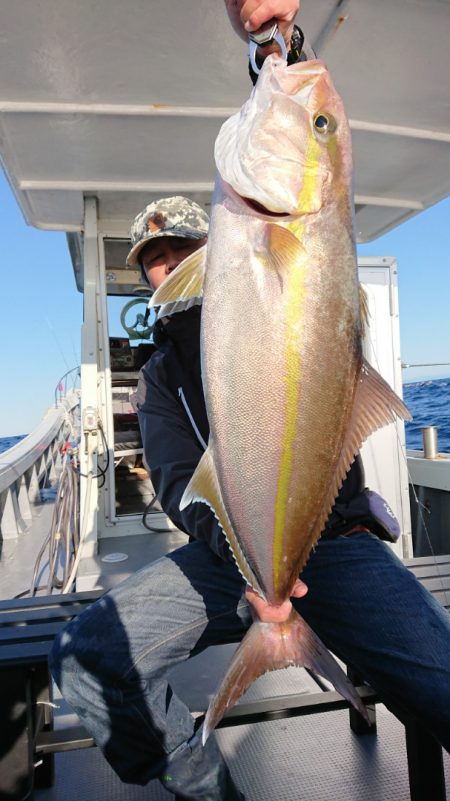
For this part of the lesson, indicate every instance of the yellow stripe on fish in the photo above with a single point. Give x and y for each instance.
(296, 296)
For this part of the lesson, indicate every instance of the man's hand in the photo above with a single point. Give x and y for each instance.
(274, 614)
(249, 15)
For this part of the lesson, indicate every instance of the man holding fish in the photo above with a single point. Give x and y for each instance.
(251, 413)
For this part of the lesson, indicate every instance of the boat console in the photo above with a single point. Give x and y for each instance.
(133, 488)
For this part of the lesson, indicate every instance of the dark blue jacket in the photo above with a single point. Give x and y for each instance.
(169, 385)
(174, 427)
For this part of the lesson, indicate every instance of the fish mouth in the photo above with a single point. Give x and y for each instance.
(260, 209)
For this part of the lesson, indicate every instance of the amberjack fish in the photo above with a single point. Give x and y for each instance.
(289, 395)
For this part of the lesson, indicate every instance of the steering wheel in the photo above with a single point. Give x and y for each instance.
(139, 329)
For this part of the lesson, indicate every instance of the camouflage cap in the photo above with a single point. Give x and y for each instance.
(170, 216)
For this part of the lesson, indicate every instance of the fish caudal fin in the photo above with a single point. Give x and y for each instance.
(271, 646)
(184, 286)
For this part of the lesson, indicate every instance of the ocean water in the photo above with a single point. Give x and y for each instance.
(9, 442)
(428, 402)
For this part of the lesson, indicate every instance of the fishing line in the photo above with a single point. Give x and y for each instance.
(57, 342)
(77, 356)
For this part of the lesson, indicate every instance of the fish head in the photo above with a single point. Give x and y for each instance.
(290, 144)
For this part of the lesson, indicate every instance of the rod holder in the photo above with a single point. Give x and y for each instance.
(430, 442)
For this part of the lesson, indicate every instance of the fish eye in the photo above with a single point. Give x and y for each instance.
(324, 123)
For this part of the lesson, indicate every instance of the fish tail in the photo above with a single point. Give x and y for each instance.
(271, 646)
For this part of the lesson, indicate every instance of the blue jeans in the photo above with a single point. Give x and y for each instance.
(111, 662)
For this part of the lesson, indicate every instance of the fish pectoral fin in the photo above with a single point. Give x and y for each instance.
(185, 283)
(204, 486)
(284, 249)
(272, 646)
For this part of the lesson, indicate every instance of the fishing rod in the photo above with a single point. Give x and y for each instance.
(426, 364)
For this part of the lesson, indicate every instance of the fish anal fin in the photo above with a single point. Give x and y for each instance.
(204, 486)
(184, 283)
(272, 646)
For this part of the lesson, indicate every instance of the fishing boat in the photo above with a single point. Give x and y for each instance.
(103, 108)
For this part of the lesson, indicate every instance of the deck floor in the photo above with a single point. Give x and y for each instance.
(18, 555)
(312, 758)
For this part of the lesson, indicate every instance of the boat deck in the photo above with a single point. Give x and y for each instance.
(312, 758)
(18, 555)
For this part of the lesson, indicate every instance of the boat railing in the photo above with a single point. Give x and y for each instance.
(32, 465)
(61, 389)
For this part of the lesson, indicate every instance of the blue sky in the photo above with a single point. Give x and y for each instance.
(41, 310)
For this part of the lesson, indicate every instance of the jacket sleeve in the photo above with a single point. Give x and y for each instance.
(358, 505)
(172, 453)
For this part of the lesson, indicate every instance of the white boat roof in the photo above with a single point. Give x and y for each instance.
(123, 101)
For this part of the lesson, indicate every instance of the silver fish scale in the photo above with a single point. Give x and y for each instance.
(256, 388)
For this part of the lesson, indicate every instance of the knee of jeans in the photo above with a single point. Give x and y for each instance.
(60, 653)
(70, 653)
(73, 676)
(74, 642)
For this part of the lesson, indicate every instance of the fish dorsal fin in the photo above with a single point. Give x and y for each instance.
(204, 486)
(185, 284)
(375, 405)
(284, 249)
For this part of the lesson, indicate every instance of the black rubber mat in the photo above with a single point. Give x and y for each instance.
(314, 758)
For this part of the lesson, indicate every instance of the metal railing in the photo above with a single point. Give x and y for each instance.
(31, 465)
(61, 386)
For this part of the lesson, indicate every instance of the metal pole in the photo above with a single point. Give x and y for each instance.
(89, 382)
(108, 510)
(430, 442)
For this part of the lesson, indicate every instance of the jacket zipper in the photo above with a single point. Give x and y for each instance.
(189, 414)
